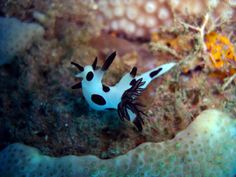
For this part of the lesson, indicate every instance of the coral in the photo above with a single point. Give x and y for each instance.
(16, 36)
(139, 18)
(207, 148)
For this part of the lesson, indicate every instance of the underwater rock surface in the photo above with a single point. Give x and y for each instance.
(206, 148)
(16, 36)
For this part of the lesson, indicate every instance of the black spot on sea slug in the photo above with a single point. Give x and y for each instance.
(89, 76)
(154, 73)
(98, 99)
(105, 88)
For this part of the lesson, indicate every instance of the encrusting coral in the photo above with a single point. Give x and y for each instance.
(16, 36)
(140, 18)
(207, 148)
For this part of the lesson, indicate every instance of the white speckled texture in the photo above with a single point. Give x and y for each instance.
(132, 17)
(206, 148)
(140, 18)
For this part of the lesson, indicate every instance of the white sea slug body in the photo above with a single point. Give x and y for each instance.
(121, 96)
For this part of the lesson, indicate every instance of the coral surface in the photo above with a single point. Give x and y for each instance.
(140, 18)
(206, 148)
(16, 36)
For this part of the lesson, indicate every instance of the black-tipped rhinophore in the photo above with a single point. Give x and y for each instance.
(81, 68)
(108, 61)
(77, 86)
(94, 65)
(133, 72)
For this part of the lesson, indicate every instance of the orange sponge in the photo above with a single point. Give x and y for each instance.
(221, 52)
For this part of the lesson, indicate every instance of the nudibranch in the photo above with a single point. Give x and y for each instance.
(122, 96)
